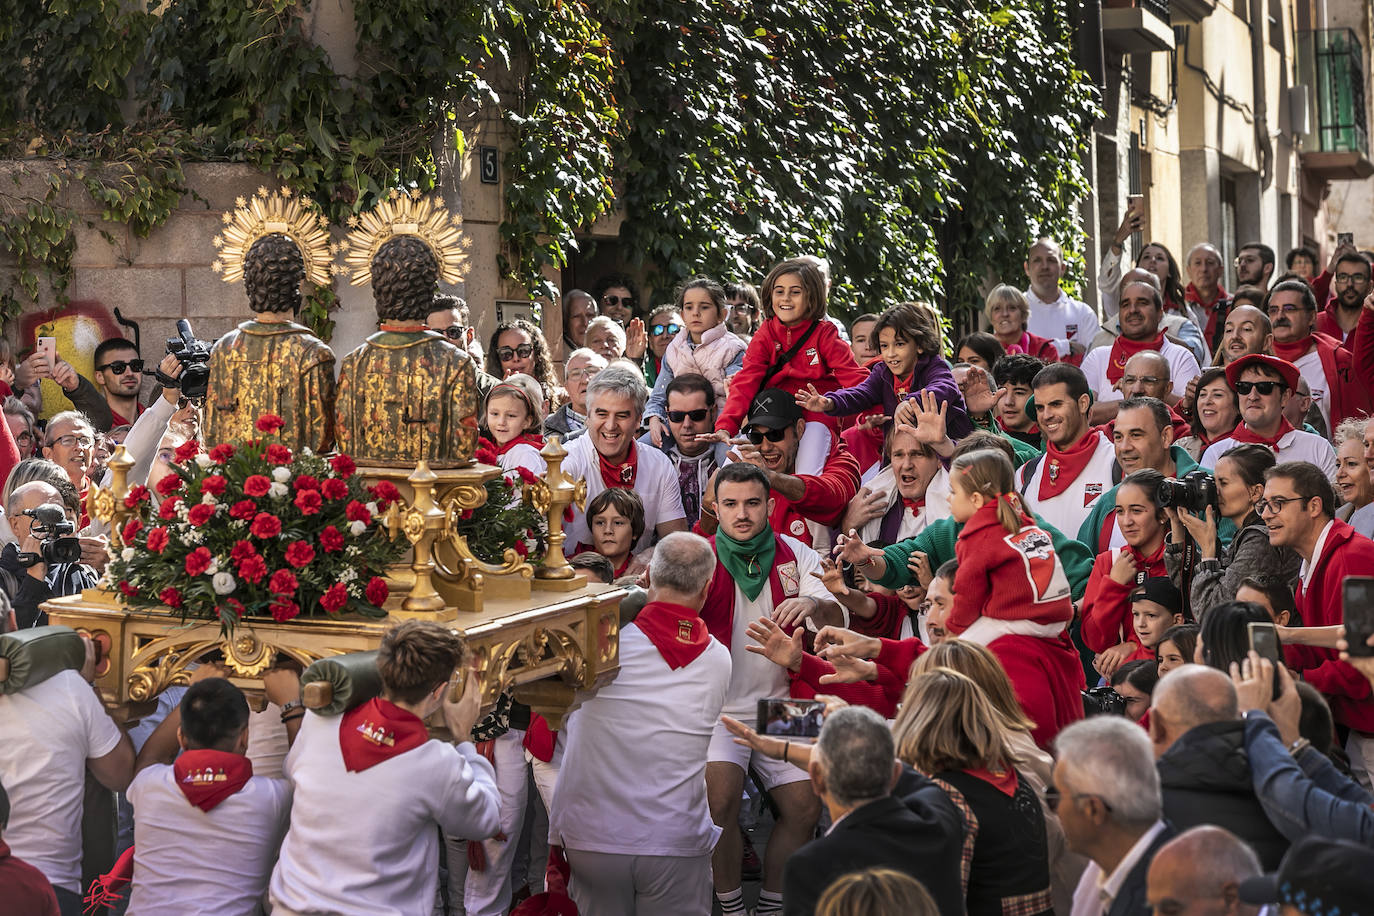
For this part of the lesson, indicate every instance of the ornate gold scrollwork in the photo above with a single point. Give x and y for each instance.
(538, 495)
(413, 525)
(247, 655)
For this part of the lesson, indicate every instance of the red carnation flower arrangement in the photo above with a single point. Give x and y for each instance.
(507, 520)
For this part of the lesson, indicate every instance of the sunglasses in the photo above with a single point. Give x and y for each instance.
(120, 366)
(1264, 388)
(659, 330)
(757, 436)
(506, 354)
(456, 332)
(626, 301)
(184, 402)
(698, 415)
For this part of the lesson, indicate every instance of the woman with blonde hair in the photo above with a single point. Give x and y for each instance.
(1008, 314)
(876, 892)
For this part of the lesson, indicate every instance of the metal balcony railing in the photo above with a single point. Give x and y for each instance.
(1159, 7)
(1338, 59)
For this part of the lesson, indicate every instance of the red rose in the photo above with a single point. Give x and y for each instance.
(486, 456)
(200, 514)
(357, 512)
(283, 582)
(242, 550)
(526, 474)
(377, 591)
(334, 488)
(197, 561)
(343, 466)
(168, 510)
(221, 453)
(130, 531)
(278, 454)
(170, 597)
(243, 509)
(257, 485)
(168, 485)
(187, 450)
(137, 494)
(269, 423)
(305, 482)
(157, 539)
(299, 554)
(567, 515)
(331, 539)
(522, 548)
(128, 590)
(231, 607)
(215, 484)
(283, 610)
(308, 501)
(252, 569)
(265, 525)
(385, 493)
(335, 598)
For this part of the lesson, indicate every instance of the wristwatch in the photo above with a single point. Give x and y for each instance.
(291, 705)
(1211, 563)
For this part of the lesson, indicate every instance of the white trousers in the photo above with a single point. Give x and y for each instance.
(604, 884)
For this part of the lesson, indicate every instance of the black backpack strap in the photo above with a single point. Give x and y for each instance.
(789, 354)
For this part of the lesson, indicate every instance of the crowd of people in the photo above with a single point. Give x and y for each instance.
(1024, 578)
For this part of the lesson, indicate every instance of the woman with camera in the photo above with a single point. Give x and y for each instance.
(1216, 571)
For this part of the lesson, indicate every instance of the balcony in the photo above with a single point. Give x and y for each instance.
(1186, 11)
(1137, 26)
(1339, 149)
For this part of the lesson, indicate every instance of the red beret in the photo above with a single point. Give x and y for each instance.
(1286, 370)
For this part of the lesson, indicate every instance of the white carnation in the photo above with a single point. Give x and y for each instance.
(277, 490)
(372, 507)
(348, 574)
(208, 499)
(281, 475)
(223, 583)
(307, 451)
(127, 554)
(357, 528)
(203, 460)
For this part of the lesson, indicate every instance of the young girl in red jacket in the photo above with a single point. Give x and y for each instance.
(795, 327)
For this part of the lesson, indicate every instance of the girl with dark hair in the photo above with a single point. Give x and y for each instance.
(1135, 682)
(979, 349)
(1176, 647)
(519, 347)
(1223, 636)
(1217, 572)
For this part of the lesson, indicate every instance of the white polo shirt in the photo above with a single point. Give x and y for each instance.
(1310, 367)
(1070, 509)
(913, 523)
(655, 482)
(204, 863)
(47, 733)
(1183, 368)
(1298, 445)
(1063, 321)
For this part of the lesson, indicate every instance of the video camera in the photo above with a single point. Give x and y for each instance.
(1193, 492)
(55, 531)
(1103, 701)
(194, 356)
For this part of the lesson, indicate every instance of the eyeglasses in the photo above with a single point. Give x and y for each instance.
(744, 307)
(184, 402)
(1053, 798)
(627, 301)
(506, 354)
(698, 416)
(456, 332)
(1274, 504)
(120, 366)
(588, 372)
(71, 440)
(1264, 388)
(659, 330)
(757, 435)
(1288, 308)
(1129, 380)
(1350, 278)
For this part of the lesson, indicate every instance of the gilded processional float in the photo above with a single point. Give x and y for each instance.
(271, 546)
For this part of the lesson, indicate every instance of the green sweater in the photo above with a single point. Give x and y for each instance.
(937, 543)
(1024, 450)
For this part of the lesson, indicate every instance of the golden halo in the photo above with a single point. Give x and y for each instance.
(426, 218)
(271, 213)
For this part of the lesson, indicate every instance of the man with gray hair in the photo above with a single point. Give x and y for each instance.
(1200, 871)
(1109, 806)
(630, 806)
(27, 580)
(608, 457)
(916, 831)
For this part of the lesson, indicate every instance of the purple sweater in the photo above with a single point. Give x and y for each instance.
(930, 373)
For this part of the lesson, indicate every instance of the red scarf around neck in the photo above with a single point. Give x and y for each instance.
(1292, 352)
(902, 387)
(1063, 467)
(1212, 308)
(376, 731)
(1145, 563)
(526, 438)
(1243, 433)
(676, 631)
(1003, 781)
(1022, 344)
(620, 475)
(1124, 349)
(915, 505)
(207, 777)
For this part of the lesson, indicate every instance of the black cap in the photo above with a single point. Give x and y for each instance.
(1162, 591)
(1319, 876)
(774, 408)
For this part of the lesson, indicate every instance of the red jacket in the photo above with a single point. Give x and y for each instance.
(1041, 348)
(880, 695)
(1345, 553)
(824, 361)
(1106, 608)
(1362, 350)
(1349, 398)
(1007, 576)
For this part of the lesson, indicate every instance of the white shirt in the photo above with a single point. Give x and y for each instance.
(633, 780)
(1096, 891)
(655, 482)
(1298, 445)
(1308, 568)
(1183, 368)
(365, 843)
(1062, 321)
(204, 863)
(752, 676)
(524, 456)
(47, 733)
(1310, 367)
(913, 523)
(1070, 509)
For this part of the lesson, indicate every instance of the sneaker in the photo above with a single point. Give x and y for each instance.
(751, 869)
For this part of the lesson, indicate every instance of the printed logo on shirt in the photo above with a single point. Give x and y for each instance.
(815, 357)
(1070, 330)
(684, 631)
(1091, 492)
(1043, 570)
(798, 528)
(790, 579)
(376, 734)
(205, 776)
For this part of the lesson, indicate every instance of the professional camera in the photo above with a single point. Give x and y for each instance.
(1103, 701)
(55, 532)
(1193, 492)
(194, 356)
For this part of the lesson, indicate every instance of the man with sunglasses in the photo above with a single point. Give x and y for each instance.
(1299, 508)
(691, 413)
(1265, 384)
(119, 375)
(1323, 361)
(450, 317)
(85, 397)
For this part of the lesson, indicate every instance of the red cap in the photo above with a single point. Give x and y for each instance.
(1286, 370)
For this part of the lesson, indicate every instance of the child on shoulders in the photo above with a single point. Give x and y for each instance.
(706, 347)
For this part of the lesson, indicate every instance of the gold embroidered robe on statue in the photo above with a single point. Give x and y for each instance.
(271, 367)
(407, 395)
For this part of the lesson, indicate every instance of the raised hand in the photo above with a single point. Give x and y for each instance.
(850, 670)
(832, 578)
(930, 418)
(812, 400)
(863, 508)
(656, 431)
(636, 339)
(979, 395)
(774, 644)
(839, 641)
(851, 549)
(919, 565)
(1107, 662)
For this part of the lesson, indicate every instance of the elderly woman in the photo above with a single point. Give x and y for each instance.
(1354, 483)
(606, 338)
(1008, 312)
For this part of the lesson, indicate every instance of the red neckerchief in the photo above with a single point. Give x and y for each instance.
(1144, 563)
(1124, 349)
(1004, 782)
(525, 438)
(1021, 346)
(118, 419)
(1208, 440)
(1293, 351)
(1243, 433)
(376, 731)
(915, 505)
(677, 632)
(902, 387)
(619, 475)
(539, 739)
(1063, 467)
(1211, 307)
(207, 777)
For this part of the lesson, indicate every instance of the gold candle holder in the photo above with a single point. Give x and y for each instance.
(421, 524)
(551, 496)
(107, 503)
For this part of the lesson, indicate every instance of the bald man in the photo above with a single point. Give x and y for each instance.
(1247, 331)
(1199, 873)
(1199, 742)
(31, 585)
